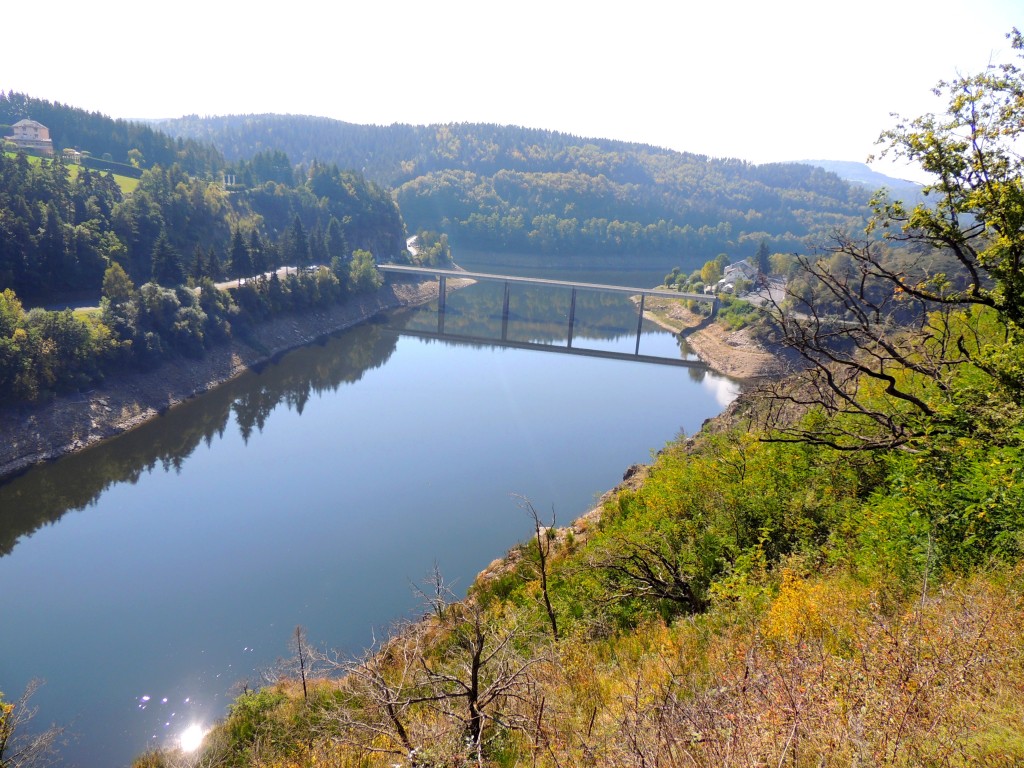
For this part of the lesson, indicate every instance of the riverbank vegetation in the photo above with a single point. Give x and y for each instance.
(149, 262)
(831, 575)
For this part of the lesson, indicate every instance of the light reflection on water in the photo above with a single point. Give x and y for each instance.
(192, 737)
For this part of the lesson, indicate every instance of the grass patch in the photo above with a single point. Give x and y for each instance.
(126, 184)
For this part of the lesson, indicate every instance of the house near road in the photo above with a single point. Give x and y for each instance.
(33, 136)
(740, 270)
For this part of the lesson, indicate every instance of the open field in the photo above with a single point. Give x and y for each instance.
(126, 183)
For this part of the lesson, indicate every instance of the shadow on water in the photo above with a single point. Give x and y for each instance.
(46, 492)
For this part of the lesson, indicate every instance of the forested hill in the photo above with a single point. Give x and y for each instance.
(120, 141)
(517, 189)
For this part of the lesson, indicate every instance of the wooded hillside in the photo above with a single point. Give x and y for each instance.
(507, 188)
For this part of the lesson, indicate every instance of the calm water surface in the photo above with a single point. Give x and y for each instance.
(146, 579)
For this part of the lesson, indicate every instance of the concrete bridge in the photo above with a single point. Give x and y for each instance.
(573, 286)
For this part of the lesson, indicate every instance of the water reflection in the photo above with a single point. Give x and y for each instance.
(46, 492)
(577, 320)
(535, 313)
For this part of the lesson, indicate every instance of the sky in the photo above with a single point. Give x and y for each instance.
(761, 81)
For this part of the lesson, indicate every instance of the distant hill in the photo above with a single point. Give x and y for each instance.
(863, 175)
(512, 189)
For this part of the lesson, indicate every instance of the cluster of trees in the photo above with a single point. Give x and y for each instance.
(832, 578)
(175, 225)
(62, 226)
(66, 229)
(69, 229)
(56, 228)
(515, 189)
(432, 249)
(120, 140)
(45, 352)
(676, 210)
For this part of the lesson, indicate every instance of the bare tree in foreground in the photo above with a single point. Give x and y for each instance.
(20, 746)
(430, 691)
(544, 538)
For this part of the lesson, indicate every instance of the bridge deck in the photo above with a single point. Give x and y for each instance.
(454, 273)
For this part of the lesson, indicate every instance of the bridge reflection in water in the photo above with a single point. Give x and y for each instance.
(504, 341)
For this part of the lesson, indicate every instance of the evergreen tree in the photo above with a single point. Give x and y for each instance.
(241, 259)
(259, 254)
(295, 245)
(317, 248)
(762, 260)
(198, 270)
(167, 267)
(335, 242)
(57, 265)
(214, 268)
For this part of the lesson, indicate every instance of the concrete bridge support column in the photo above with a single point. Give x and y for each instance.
(504, 316)
(640, 323)
(572, 315)
(442, 287)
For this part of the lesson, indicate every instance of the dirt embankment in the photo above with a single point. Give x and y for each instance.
(737, 354)
(70, 423)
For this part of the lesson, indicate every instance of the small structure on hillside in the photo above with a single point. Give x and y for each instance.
(33, 136)
(742, 272)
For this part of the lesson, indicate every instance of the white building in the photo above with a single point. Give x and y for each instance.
(740, 270)
(30, 135)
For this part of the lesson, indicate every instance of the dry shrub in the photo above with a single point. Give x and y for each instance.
(827, 678)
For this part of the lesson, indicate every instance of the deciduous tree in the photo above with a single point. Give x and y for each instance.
(916, 329)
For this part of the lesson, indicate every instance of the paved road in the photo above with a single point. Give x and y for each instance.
(228, 284)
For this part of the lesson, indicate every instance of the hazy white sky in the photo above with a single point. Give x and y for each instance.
(761, 81)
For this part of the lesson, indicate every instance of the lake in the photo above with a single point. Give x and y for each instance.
(148, 578)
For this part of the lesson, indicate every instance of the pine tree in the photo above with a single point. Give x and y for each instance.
(198, 270)
(241, 259)
(334, 242)
(297, 244)
(166, 262)
(317, 248)
(214, 268)
(762, 260)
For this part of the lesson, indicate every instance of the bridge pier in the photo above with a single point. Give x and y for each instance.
(640, 322)
(504, 315)
(572, 316)
(441, 274)
(442, 287)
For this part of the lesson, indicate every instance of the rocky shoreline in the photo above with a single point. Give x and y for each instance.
(736, 354)
(33, 434)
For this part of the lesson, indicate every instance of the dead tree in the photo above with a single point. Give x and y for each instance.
(20, 747)
(543, 536)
